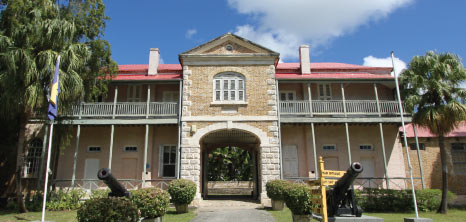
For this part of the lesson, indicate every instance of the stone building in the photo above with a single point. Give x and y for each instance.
(160, 121)
(426, 160)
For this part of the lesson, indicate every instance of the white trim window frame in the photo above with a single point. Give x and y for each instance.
(170, 96)
(94, 149)
(458, 157)
(366, 147)
(327, 147)
(33, 159)
(324, 91)
(130, 149)
(134, 93)
(287, 95)
(229, 87)
(167, 160)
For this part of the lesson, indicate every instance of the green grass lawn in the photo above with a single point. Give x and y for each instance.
(70, 216)
(452, 216)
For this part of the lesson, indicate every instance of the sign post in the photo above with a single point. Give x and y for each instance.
(322, 182)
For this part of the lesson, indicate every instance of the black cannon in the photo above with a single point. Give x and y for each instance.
(117, 190)
(340, 198)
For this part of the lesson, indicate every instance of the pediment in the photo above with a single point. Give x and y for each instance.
(229, 44)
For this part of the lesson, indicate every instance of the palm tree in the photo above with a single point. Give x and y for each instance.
(431, 88)
(32, 35)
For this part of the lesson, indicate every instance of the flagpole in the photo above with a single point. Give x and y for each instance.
(47, 171)
(52, 114)
(410, 168)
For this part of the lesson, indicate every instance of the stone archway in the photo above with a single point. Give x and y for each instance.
(233, 141)
(266, 146)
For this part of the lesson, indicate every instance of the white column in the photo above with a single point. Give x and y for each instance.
(75, 159)
(346, 123)
(382, 141)
(146, 139)
(112, 129)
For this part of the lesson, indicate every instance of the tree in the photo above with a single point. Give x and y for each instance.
(431, 88)
(32, 35)
(229, 164)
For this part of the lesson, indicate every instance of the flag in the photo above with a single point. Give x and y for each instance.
(55, 89)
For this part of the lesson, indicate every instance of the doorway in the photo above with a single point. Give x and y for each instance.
(229, 165)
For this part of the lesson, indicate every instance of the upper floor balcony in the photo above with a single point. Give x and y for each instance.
(124, 110)
(339, 108)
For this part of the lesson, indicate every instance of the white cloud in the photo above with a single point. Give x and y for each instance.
(385, 62)
(190, 33)
(313, 21)
(161, 60)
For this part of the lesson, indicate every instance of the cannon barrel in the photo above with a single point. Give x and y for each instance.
(117, 190)
(348, 178)
(340, 199)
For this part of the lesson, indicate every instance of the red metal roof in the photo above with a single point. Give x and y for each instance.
(141, 77)
(329, 65)
(332, 75)
(283, 71)
(460, 131)
(145, 67)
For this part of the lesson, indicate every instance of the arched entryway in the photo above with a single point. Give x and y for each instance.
(229, 164)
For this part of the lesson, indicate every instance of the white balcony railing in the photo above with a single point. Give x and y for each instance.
(332, 107)
(124, 109)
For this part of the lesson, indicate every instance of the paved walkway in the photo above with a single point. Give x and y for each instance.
(231, 211)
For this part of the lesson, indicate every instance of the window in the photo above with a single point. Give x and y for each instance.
(366, 147)
(229, 87)
(170, 96)
(167, 161)
(287, 95)
(93, 149)
(458, 156)
(131, 149)
(325, 91)
(329, 147)
(33, 158)
(412, 146)
(134, 93)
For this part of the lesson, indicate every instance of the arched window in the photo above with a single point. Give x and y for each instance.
(229, 87)
(33, 158)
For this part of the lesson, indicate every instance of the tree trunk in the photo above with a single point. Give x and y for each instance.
(443, 156)
(21, 153)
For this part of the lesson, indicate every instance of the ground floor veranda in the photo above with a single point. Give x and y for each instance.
(144, 157)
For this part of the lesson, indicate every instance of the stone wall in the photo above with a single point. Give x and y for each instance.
(257, 116)
(431, 164)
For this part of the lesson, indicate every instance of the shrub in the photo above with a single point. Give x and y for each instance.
(99, 193)
(108, 209)
(298, 199)
(64, 199)
(429, 199)
(152, 202)
(385, 200)
(182, 191)
(276, 189)
(34, 201)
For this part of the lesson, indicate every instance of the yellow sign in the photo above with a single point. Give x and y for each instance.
(316, 201)
(317, 210)
(316, 192)
(333, 173)
(328, 182)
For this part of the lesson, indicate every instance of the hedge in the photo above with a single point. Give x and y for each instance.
(386, 200)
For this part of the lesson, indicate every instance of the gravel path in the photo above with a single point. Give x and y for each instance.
(231, 211)
(237, 215)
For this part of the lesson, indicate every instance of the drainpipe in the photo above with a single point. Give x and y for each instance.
(279, 129)
(180, 111)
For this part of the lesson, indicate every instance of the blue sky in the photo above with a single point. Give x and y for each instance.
(356, 31)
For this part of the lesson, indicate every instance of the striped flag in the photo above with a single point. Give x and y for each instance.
(55, 89)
